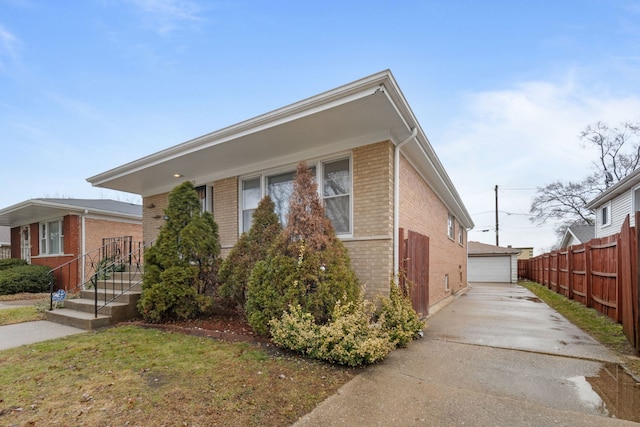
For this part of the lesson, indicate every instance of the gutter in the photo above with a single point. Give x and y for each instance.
(396, 201)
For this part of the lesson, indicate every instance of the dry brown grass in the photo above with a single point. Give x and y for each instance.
(135, 376)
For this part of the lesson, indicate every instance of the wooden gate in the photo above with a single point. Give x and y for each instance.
(414, 269)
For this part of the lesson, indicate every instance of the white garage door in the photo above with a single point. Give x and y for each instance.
(490, 269)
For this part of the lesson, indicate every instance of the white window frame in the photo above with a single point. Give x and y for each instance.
(44, 237)
(318, 164)
(451, 226)
(460, 234)
(605, 219)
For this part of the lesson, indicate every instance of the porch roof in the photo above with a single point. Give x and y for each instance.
(368, 110)
(36, 210)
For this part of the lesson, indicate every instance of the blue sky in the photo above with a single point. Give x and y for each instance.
(501, 88)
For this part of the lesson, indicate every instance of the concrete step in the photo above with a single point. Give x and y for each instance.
(120, 286)
(78, 319)
(131, 296)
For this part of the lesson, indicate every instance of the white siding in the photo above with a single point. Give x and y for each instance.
(621, 206)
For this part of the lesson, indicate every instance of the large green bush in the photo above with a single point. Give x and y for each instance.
(182, 265)
(250, 248)
(307, 264)
(11, 263)
(349, 338)
(356, 334)
(24, 278)
(398, 318)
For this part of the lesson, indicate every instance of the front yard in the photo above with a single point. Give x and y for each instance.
(129, 375)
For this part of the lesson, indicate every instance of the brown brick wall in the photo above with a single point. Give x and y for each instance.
(225, 211)
(97, 229)
(371, 249)
(421, 210)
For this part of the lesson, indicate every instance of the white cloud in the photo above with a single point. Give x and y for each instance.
(9, 46)
(165, 16)
(521, 138)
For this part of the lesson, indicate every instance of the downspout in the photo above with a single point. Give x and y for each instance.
(396, 201)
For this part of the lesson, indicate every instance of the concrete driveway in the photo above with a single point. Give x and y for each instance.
(496, 356)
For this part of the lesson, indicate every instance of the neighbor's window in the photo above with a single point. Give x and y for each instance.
(251, 195)
(51, 237)
(450, 226)
(605, 214)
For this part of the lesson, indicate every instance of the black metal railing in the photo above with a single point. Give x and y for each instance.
(76, 274)
(118, 276)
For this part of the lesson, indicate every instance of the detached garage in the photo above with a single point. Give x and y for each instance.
(489, 263)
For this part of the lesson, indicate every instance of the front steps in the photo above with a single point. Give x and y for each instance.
(80, 312)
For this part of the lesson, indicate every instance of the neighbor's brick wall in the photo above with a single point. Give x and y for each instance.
(71, 232)
(421, 210)
(97, 229)
(152, 215)
(225, 212)
(371, 249)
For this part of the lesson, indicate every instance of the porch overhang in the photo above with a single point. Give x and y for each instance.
(369, 110)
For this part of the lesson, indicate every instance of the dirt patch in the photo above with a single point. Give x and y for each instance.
(226, 326)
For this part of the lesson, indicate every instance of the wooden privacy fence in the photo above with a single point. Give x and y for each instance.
(414, 259)
(602, 274)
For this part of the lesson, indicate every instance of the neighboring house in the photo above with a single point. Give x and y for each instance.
(489, 263)
(525, 253)
(615, 203)
(5, 242)
(53, 232)
(376, 171)
(577, 234)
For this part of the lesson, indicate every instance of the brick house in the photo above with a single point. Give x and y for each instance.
(377, 175)
(54, 232)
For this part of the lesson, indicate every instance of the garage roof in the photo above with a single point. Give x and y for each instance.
(483, 249)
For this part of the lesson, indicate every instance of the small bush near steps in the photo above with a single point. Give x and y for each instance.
(353, 336)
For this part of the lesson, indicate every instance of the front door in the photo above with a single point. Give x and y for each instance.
(25, 243)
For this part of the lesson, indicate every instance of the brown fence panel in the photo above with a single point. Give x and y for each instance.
(553, 271)
(604, 276)
(628, 308)
(414, 259)
(578, 254)
(564, 278)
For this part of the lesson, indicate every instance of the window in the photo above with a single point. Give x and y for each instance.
(204, 194)
(280, 188)
(605, 215)
(336, 192)
(251, 195)
(51, 237)
(334, 178)
(451, 226)
(460, 234)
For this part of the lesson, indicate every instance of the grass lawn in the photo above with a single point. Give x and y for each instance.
(129, 375)
(10, 316)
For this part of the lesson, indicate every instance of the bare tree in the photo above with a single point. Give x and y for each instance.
(619, 149)
(618, 156)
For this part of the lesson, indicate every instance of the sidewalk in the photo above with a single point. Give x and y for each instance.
(31, 332)
(495, 357)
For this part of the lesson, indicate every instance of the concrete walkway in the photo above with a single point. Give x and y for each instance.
(496, 356)
(31, 332)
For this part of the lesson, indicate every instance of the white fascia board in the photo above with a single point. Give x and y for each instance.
(306, 107)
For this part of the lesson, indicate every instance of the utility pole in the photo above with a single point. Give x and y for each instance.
(497, 238)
